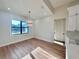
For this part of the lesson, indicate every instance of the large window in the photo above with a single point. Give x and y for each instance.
(19, 27)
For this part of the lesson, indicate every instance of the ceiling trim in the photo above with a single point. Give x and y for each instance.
(49, 5)
(73, 3)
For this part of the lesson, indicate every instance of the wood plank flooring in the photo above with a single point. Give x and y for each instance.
(19, 50)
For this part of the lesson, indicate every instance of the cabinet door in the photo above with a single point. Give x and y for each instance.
(72, 23)
(72, 10)
(78, 9)
(78, 19)
(77, 22)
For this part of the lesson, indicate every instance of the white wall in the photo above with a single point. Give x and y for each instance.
(61, 12)
(5, 30)
(44, 29)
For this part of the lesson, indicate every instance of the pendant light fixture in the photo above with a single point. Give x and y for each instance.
(29, 20)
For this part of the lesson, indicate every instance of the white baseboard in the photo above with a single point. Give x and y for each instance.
(40, 38)
(12, 42)
(15, 42)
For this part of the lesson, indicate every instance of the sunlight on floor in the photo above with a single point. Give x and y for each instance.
(27, 57)
(39, 53)
(59, 43)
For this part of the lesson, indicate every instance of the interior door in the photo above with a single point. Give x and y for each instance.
(59, 29)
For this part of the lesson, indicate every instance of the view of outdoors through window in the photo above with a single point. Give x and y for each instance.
(19, 27)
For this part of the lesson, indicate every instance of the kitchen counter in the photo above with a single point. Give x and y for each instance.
(73, 36)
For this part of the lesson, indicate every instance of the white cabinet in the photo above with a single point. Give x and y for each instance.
(72, 50)
(72, 23)
(72, 10)
(73, 18)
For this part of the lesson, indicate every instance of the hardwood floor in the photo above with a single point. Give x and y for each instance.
(19, 50)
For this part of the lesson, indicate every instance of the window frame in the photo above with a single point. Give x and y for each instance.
(21, 27)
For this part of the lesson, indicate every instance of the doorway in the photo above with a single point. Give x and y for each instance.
(59, 29)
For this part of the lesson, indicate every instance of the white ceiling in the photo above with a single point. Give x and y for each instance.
(58, 3)
(37, 7)
(23, 6)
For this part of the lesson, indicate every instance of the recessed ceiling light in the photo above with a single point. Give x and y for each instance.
(9, 8)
